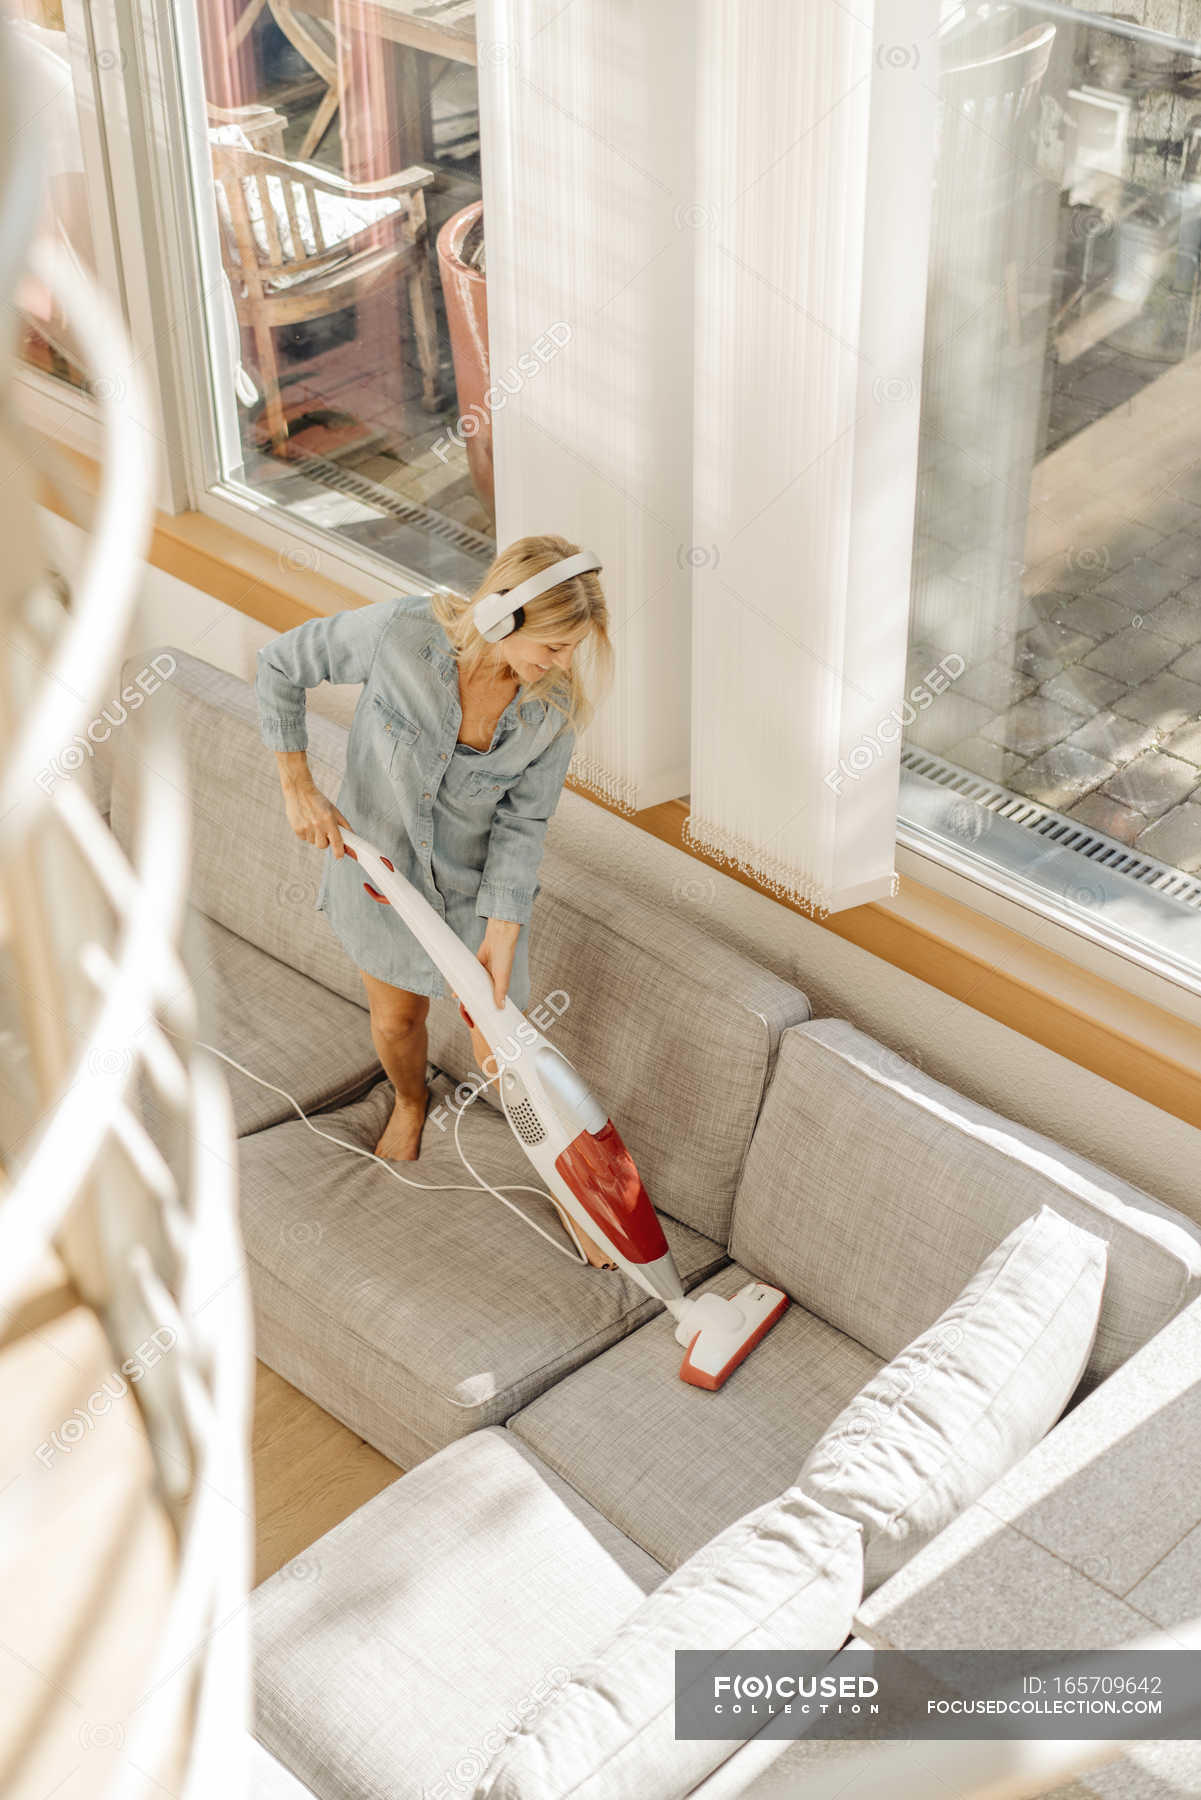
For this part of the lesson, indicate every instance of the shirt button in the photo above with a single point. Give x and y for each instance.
(442, 757)
(425, 796)
(424, 843)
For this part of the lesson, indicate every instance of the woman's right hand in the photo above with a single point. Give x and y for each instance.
(314, 818)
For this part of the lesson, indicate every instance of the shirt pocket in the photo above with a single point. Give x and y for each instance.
(473, 790)
(488, 784)
(392, 731)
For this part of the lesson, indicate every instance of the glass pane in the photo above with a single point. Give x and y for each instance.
(1056, 608)
(51, 108)
(345, 153)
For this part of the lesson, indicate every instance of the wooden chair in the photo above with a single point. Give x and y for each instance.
(261, 125)
(300, 242)
(315, 40)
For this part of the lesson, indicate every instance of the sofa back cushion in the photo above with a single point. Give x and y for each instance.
(966, 1400)
(675, 1033)
(872, 1193)
(250, 871)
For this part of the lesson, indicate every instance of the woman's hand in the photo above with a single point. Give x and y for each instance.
(311, 816)
(497, 953)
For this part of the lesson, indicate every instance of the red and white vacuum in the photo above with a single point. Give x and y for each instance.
(574, 1145)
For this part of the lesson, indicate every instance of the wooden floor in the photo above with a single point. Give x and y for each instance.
(309, 1472)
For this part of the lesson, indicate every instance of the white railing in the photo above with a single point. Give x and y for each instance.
(119, 1160)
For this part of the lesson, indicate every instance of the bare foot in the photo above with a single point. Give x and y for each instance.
(401, 1138)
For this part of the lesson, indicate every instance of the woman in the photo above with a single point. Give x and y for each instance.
(456, 759)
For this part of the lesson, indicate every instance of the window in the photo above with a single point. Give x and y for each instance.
(341, 242)
(1057, 551)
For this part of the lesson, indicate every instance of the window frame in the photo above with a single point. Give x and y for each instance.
(956, 876)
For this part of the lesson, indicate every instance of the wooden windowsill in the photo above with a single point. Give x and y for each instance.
(1096, 1024)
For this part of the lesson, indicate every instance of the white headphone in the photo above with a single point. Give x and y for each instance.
(498, 615)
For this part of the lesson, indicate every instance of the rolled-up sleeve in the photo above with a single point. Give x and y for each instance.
(519, 824)
(340, 647)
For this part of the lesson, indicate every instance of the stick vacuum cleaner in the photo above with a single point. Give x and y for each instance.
(574, 1145)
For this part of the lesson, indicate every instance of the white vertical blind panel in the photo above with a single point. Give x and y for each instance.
(814, 154)
(588, 183)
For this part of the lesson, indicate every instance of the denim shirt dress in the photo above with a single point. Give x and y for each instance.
(464, 826)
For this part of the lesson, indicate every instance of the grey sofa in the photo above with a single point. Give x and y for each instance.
(556, 1466)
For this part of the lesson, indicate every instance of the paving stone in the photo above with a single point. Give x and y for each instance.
(1152, 783)
(1166, 513)
(1080, 572)
(1181, 551)
(952, 716)
(1176, 839)
(1100, 813)
(1050, 602)
(1133, 655)
(1179, 617)
(1030, 726)
(994, 684)
(980, 757)
(1166, 700)
(1060, 775)
(1187, 485)
(1129, 541)
(1141, 585)
(1113, 738)
(1189, 665)
(1083, 690)
(1042, 651)
(1185, 742)
(1095, 617)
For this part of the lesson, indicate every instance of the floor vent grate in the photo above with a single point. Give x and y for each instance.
(1066, 834)
(424, 518)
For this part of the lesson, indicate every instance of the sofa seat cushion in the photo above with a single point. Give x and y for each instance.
(692, 1462)
(873, 1193)
(288, 1029)
(414, 1316)
(399, 1651)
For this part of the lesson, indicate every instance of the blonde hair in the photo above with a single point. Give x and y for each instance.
(559, 613)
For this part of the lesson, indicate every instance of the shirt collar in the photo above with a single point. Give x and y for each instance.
(447, 667)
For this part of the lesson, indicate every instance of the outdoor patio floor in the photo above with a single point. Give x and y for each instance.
(1091, 703)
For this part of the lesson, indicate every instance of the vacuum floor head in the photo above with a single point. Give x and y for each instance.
(719, 1334)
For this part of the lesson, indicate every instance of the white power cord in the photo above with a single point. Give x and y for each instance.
(446, 1187)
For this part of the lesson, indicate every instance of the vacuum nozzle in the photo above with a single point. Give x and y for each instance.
(719, 1334)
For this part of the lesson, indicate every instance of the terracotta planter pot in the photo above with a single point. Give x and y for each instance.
(466, 293)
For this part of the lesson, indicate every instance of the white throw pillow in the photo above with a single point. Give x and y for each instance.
(968, 1398)
(787, 1576)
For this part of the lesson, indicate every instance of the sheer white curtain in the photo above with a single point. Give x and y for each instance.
(814, 166)
(587, 116)
(727, 205)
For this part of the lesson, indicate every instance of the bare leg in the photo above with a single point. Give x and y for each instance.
(600, 1259)
(401, 1041)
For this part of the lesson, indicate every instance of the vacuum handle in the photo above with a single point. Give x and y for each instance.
(467, 976)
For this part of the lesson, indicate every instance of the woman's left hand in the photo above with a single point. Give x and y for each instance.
(497, 953)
